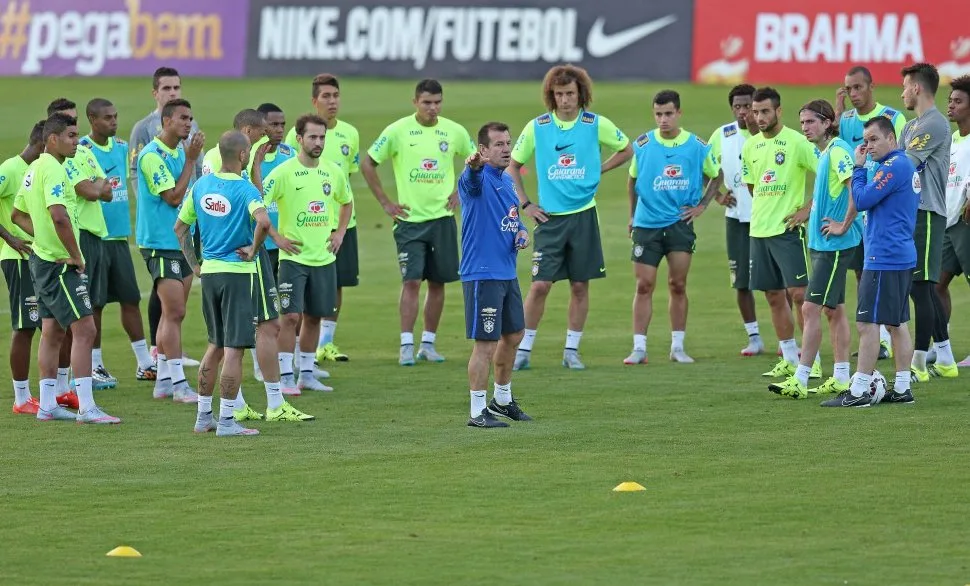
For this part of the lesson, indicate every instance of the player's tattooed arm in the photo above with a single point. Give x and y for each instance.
(187, 246)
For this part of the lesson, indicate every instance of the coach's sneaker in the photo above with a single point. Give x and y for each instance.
(329, 351)
(407, 355)
(816, 370)
(678, 355)
(309, 383)
(847, 399)
(150, 373)
(95, 415)
(101, 379)
(636, 357)
(570, 359)
(427, 352)
(521, 360)
(944, 370)
(510, 411)
(287, 412)
(485, 419)
(228, 427)
(57, 414)
(919, 376)
(29, 408)
(320, 373)
(189, 362)
(185, 395)
(247, 413)
(830, 387)
(885, 349)
(755, 346)
(782, 369)
(69, 400)
(204, 423)
(790, 387)
(904, 398)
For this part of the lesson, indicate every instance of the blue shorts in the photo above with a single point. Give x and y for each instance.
(492, 308)
(884, 297)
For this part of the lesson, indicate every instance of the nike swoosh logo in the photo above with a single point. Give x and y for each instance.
(863, 312)
(815, 294)
(599, 44)
(559, 148)
(414, 144)
(856, 139)
(801, 276)
(670, 156)
(299, 188)
(106, 171)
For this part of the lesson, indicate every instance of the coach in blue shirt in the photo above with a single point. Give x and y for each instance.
(491, 236)
(890, 201)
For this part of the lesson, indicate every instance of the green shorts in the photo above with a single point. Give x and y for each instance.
(92, 250)
(956, 249)
(779, 262)
(348, 264)
(120, 284)
(428, 250)
(650, 245)
(265, 294)
(62, 292)
(24, 310)
(738, 236)
(166, 264)
(567, 246)
(309, 290)
(930, 228)
(829, 268)
(229, 309)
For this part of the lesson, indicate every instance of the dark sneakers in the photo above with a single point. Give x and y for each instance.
(899, 398)
(486, 419)
(510, 411)
(847, 399)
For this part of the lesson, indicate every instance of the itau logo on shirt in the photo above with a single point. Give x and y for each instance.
(510, 223)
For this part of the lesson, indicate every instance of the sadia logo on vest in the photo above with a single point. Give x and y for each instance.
(672, 179)
(510, 223)
(314, 217)
(216, 205)
(565, 169)
(427, 172)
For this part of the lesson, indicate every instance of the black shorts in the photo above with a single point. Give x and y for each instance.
(62, 292)
(24, 309)
(229, 309)
(265, 292)
(427, 250)
(956, 249)
(120, 284)
(492, 309)
(859, 259)
(568, 246)
(308, 290)
(738, 235)
(166, 264)
(274, 261)
(884, 297)
(651, 245)
(779, 262)
(827, 283)
(348, 263)
(930, 228)
(92, 250)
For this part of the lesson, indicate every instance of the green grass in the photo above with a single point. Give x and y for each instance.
(388, 486)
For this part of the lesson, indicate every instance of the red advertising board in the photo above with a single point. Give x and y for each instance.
(816, 42)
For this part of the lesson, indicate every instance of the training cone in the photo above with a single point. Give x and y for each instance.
(628, 487)
(124, 551)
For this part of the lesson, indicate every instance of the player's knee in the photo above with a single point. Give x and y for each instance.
(777, 298)
(540, 288)
(292, 320)
(84, 331)
(579, 289)
(797, 295)
(813, 311)
(677, 286)
(645, 286)
(269, 329)
(514, 338)
(412, 286)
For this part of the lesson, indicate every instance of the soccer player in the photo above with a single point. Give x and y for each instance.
(342, 147)
(252, 124)
(726, 144)
(926, 139)
(774, 166)
(14, 252)
(166, 86)
(566, 142)
(665, 186)
(834, 232)
(46, 208)
(311, 193)
(890, 201)
(491, 237)
(165, 169)
(118, 284)
(858, 87)
(956, 240)
(422, 149)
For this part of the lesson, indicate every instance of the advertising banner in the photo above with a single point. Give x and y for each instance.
(501, 39)
(817, 42)
(123, 37)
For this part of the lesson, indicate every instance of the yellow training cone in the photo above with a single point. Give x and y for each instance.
(628, 487)
(124, 551)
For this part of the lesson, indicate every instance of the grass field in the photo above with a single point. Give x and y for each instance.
(388, 486)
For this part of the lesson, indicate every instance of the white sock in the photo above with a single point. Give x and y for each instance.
(48, 394)
(503, 394)
(572, 340)
(240, 400)
(142, 355)
(884, 335)
(226, 407)
(327, 330)
(178, 374)
(919, 359)
(296, 345)
(205, 404)
(789, 350)
(85, 394)
(842, 372)
(639, 342)
(286, 364)
(902, 382)
(751, 328)
(677, 340)
(428, 338)
(407, 339)
(162, 371)
(274, 397)
(21, 392)
(306, 363)
(802, 372)
(478, 403)
(860, 384)
(96, 360)
(944, 354)
(62, 380)
(528, 339)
